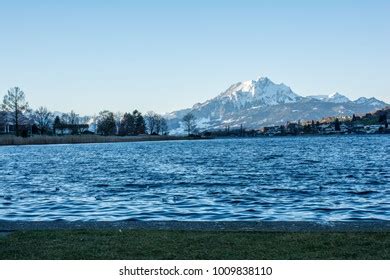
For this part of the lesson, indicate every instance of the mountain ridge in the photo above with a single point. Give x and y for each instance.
(261, 102)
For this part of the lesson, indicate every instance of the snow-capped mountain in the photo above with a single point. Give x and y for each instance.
(262, 91)
(258, 103)
(369, 101)
(334, 98)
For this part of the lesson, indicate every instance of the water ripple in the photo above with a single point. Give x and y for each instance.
(297, 178)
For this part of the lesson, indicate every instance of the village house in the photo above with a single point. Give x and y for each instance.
(371, 129)
(7, 125)
(358, 128)
(326, 128)
(344, 128)
(272, 130)
(293, 128)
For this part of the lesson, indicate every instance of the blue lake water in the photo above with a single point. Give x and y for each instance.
(335, 178)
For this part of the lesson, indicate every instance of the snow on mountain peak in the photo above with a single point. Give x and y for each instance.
(337, 98)
(361, 100)
(333, 98)
(369, 101)
(262, 91)
(261, 102)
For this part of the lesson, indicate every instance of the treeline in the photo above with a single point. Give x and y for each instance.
(17, 117)
(376, 122)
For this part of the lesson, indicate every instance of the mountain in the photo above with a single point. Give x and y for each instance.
(261, 92)
(370, 101)
(261, 102)
(334, 98)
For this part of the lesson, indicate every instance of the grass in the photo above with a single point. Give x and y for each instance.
(156, 244)
(76, 139)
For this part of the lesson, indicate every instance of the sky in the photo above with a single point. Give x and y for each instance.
(88, 56)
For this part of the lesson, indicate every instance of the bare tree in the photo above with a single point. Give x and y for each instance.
(74, 118)
(189, 123)
(43, 119)
(15, 102)
(65, 119)
(73, 122)
(155, 123)
(151, 121)
(164, 126)
(158, 120)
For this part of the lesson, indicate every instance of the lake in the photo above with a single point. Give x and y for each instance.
(324, 178)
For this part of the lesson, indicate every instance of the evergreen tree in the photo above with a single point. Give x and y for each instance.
(313, 127)
(57, 125)
(139, 122)
(382, 118)
(106, 123)
(127, 125)
(307, 129)
(337, 125)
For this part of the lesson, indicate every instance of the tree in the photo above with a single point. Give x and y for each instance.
(282, 130)
(106, 123)
(127, 125)
(74, 121)
(307, 128)
(313, 127)
(57, 125)
(189, 123)
(15, 102)
(74, 118)
(83, 125)
(337, 125)
(151, 119)
(43, 119)
(139, 123)
(65, 119)
(155, 123)
(164, 126)
(382, 118)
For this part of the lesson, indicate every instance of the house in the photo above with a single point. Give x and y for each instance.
(272, 130)
(293, 128)
(358, 128)
(326, 128)
(7, 124)
(4, 122)
(344, 128)
(71, 129)
(370, 129)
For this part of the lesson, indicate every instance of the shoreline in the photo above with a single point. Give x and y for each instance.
(250, 226)
(10, 140)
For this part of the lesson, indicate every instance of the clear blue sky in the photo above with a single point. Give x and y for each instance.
(166, 55)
